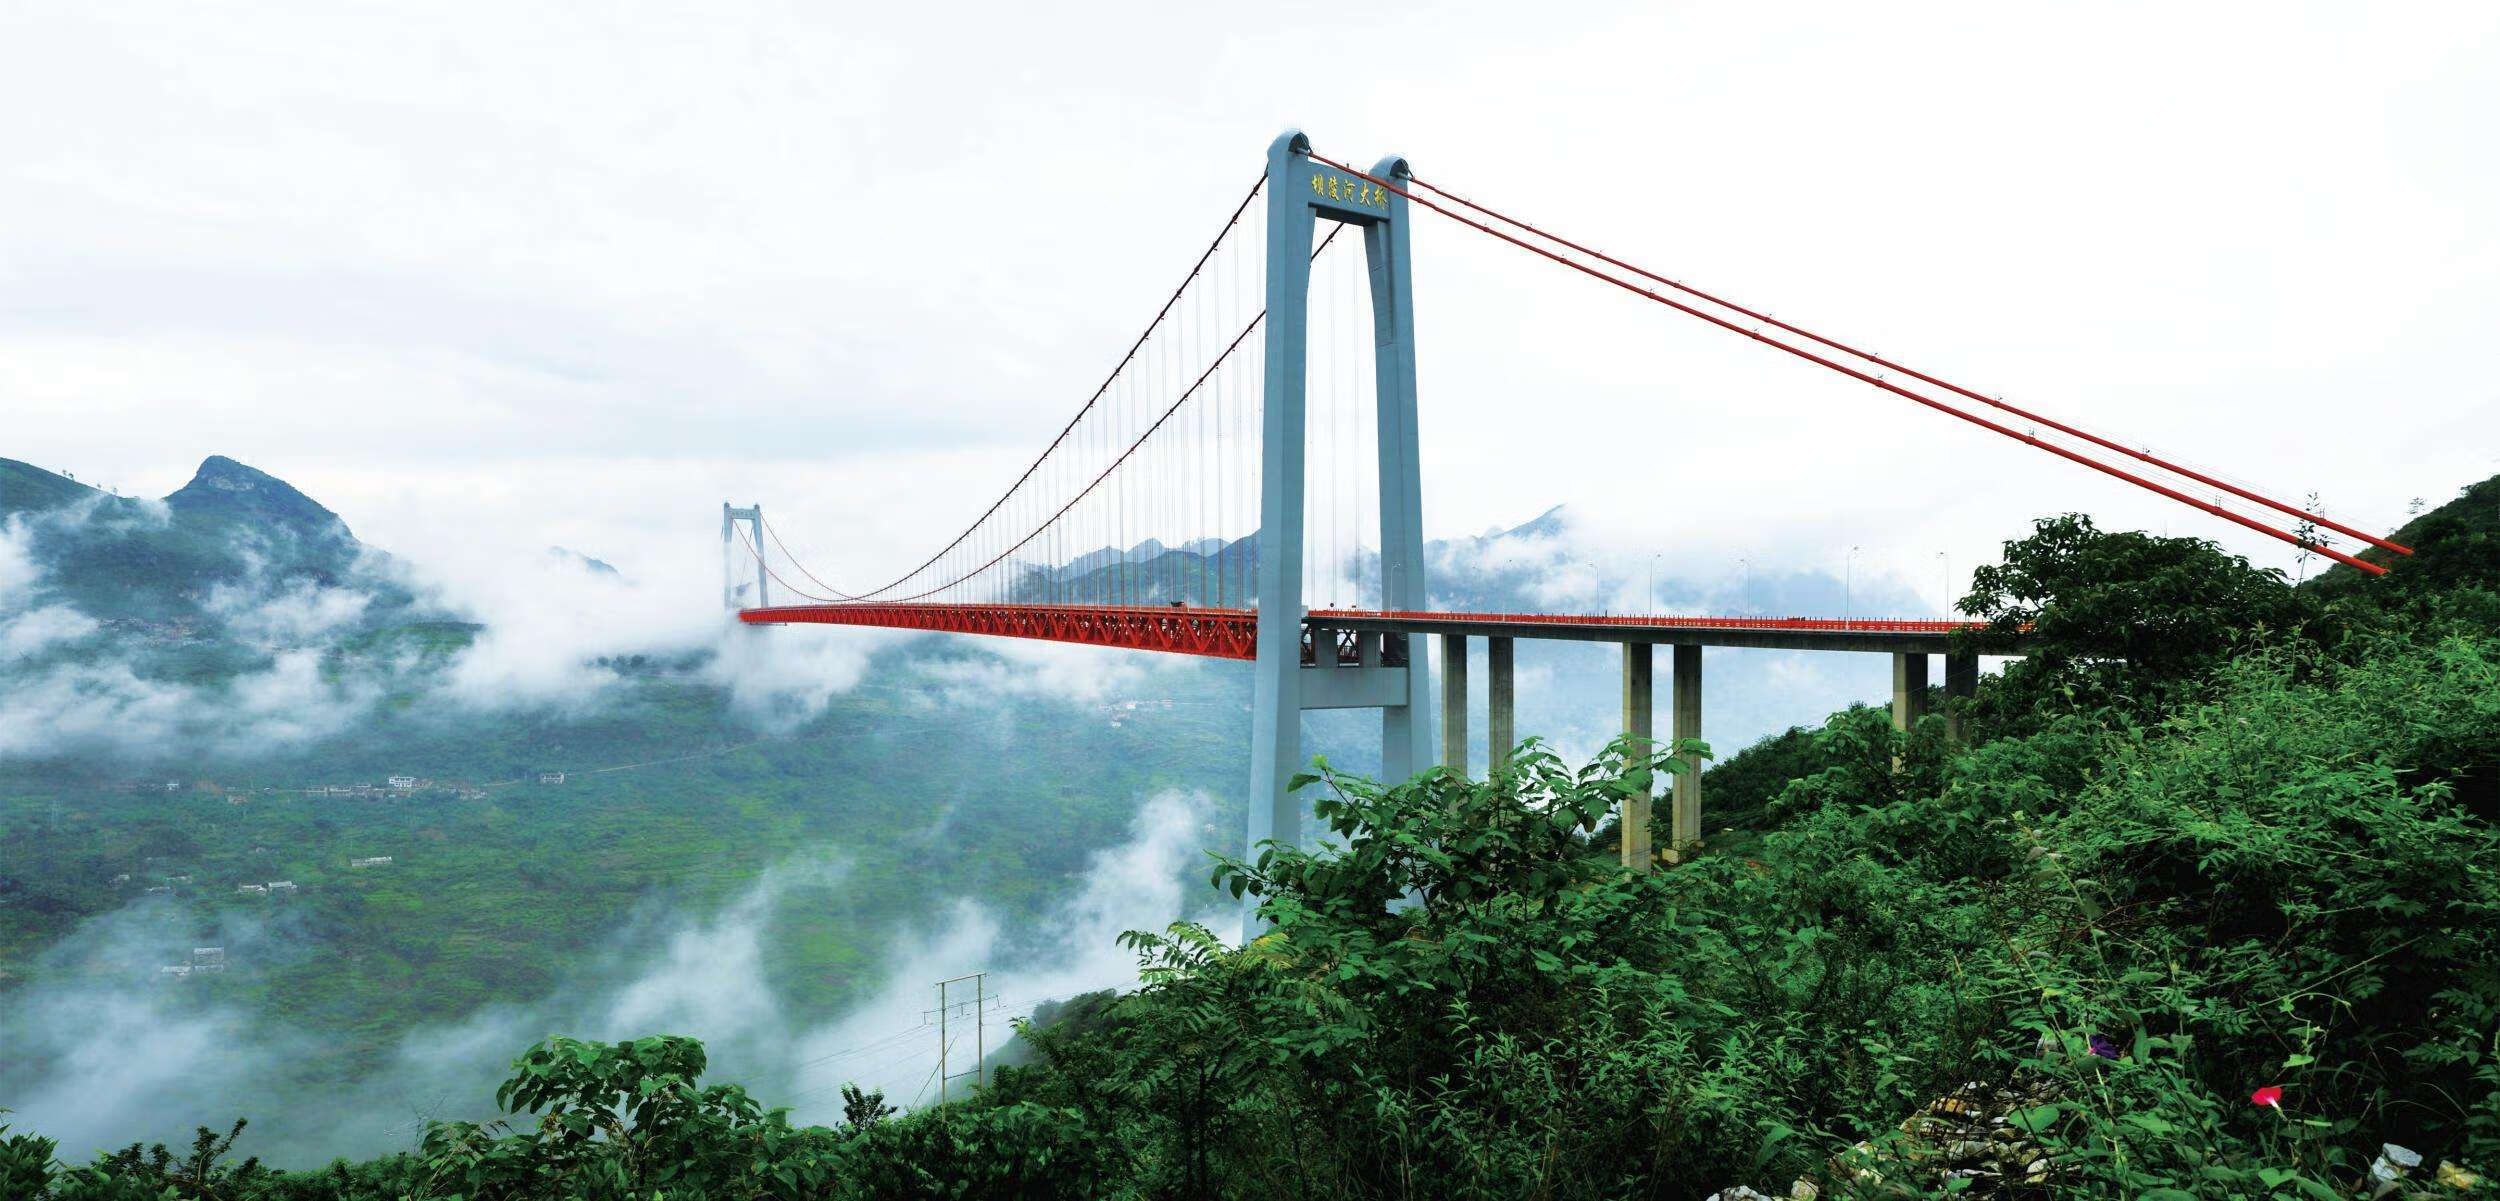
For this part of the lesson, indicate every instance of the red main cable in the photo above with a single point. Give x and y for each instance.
(760, 561)
(1863, 377)
(775, 535)
(1090, 401)
(1127, 573)
(1878, 360)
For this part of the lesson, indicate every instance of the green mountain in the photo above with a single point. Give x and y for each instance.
(229, 492)
(26, 488)
(2455, 546)
(159, 564)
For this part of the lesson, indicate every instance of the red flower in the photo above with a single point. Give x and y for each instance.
(2271, 1097)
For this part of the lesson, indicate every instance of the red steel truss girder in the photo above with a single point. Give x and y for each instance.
(1211, 633)
(1811, 625)
(1233, 633)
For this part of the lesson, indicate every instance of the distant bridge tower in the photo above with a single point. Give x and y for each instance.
(1342, 670)
(753, 515)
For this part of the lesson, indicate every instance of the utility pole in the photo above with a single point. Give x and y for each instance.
(978, 1008)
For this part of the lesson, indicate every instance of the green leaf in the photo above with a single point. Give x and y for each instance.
(2151, 1122)
(2317, 1190)
(2037, 1118)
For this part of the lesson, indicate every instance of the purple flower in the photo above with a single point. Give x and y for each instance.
(2103, 1046)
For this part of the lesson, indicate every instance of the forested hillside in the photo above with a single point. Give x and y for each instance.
(2203, 911)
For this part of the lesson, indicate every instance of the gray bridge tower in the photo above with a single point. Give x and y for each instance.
(1342, 669)
(753, 515)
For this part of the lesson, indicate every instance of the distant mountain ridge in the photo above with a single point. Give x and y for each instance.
(223, 489)
(573, 558)
(1212, 570)
(26, 488)
(231, 527)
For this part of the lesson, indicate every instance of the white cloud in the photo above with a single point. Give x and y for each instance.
(262, 614)
(288, 704)
(83, 707)
(102, 1047)
(22, 635)
(69, 708)
(785, 676)
(708, 975)
(18, 569)
(1143, 884)
(1015, 667)
(129, 1051)
(554, 636)
(1568, 693)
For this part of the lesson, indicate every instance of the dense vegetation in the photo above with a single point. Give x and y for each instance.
(2205, 909)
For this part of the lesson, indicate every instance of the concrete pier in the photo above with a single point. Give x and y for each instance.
(1961, 681)
(1909, 691)
(1637, 723)
(1685, 827)
(1909, 694)
(1454, 702)
(1500, 728)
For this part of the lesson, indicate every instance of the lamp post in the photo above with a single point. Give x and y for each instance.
(1946, 561)
(1849, 587)
(1652, 595)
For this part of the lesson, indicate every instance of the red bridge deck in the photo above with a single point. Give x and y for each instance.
(1233, 633)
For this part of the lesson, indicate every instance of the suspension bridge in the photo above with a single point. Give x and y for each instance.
(1243, 485)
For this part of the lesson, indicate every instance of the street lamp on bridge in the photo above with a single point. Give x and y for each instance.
(1849, 585)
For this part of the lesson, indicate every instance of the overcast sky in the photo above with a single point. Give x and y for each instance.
(495, 274)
